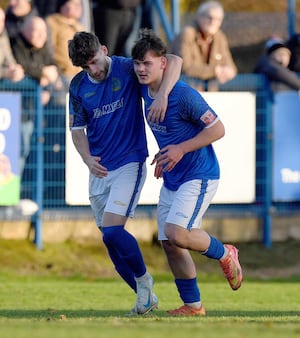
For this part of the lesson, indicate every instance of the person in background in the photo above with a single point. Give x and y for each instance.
(203, 46)
(9, 69)
(16, 13)
(108, 131)
(31, 50)
(274, 64)
(62, 26)
(114, 22)
(190, 170)
(48, 7)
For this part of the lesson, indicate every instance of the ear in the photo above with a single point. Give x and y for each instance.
(104, 49)
(164, 62)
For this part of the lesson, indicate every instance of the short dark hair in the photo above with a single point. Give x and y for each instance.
(83, 47)
(148, 40)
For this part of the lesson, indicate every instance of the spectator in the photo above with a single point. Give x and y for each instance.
(274, 64)
(31, 50)
(204, 49)
(114, 22)
(294, 45)
(48, 7)
(16, 14)
(63, 25)
(9, 69)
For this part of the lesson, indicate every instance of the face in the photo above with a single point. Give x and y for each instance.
(211, 21)
(36, 32)
(20, 7)
(72, 9)
(97, 67)
(150, 70)
(282, 56)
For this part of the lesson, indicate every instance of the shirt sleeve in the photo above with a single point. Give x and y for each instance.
(194, 108)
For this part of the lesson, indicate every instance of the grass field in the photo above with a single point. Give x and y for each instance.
(71, 290)
(44, 308)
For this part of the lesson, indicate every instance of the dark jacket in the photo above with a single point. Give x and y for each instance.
(14, 23)
(33, 60)
(281, 77)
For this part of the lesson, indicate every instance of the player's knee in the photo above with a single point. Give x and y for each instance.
(170, 248)
(110, 234)
(172, 233)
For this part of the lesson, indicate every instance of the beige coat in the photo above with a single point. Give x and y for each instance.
(6, 55)
(194, 64)
(62, 30)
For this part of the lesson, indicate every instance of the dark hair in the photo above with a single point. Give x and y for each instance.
(83, 47)
(148, 40)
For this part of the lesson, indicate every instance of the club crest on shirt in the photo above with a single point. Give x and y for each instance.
(116, 84)
(208, 117)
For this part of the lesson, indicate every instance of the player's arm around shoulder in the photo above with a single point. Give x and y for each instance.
(157, 110)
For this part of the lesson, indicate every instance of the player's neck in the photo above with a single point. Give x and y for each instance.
(153, 88)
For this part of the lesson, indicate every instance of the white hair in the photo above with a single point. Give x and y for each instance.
(207, 5)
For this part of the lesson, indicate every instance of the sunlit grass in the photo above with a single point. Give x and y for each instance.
(70, 308)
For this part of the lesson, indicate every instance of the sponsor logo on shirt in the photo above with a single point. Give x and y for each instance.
(157, 127)
(108, 108)
(208, 117)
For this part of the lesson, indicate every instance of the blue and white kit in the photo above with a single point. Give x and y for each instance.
(111, 112)
(190, 186)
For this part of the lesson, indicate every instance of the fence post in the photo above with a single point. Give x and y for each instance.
(37, 217)
(267, 219)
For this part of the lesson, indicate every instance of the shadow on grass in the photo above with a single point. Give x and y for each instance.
(51, 314)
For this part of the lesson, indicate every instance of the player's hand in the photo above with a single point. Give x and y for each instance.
(168, 157)
(158, 170)
(95, 167)
(157, 110)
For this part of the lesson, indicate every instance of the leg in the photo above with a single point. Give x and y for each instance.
(125, 187)
(184, 271)
(180, 262)
(194, 198)
(98, 203)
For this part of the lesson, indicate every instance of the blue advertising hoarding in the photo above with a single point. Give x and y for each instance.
(10, 117)
(286, 147)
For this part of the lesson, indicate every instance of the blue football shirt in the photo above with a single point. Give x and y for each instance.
(111, 112)
(187, 114)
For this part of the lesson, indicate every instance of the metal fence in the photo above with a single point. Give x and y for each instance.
(43, 179)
